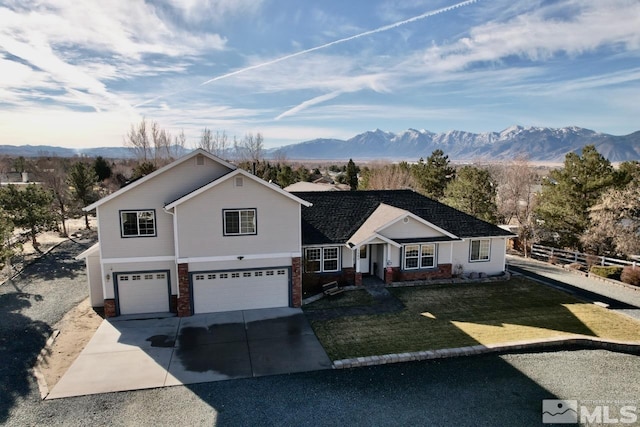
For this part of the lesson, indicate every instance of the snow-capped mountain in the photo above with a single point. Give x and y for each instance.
(538, 144)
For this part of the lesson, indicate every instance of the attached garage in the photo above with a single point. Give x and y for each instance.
(216, 291)
(143, 292)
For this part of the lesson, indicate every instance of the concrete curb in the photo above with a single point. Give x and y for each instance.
(385, 359)
(42, 383)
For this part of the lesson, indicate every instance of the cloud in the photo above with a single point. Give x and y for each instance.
(196, 11)
(543, 34)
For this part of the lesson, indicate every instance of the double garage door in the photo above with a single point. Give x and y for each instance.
(146, 292)
(240, 290)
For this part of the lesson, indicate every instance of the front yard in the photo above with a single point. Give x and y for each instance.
(459, 315)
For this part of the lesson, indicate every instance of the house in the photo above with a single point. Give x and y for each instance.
(196, 236)
(396, 235)
(200, 235)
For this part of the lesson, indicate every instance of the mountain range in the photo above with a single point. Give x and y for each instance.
(536, 143)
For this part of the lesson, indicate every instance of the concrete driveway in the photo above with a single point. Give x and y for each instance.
(138, 354)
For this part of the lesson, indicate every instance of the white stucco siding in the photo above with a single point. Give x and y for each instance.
(494, 265)
(444, 253)
(347, 257)
(137, 267)
(201, 229)
(152, 195)
(409, 229)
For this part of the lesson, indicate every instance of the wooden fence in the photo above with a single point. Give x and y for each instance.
(569, 257)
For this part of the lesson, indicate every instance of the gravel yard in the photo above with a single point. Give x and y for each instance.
(30, 304)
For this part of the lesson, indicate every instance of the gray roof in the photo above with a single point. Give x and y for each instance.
(336, 215)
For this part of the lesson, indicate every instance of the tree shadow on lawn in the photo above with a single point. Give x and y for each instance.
(21, 340)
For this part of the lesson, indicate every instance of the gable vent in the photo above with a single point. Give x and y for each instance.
(405, 220)
(200, 160)
(239, 181)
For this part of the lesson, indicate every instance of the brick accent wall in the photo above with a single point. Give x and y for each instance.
(184, 294)
(312, 283)
(296, 282)
(443, 271)
(388, 275)
(109, 307)
(357, 279)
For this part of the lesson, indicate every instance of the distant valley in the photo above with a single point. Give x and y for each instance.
(536, 143)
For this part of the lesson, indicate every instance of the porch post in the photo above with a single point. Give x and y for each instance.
(357, 255)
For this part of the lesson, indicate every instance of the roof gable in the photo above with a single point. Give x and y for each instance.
(228, 176)
(160, 171)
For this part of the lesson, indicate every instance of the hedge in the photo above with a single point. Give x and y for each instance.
(608, 272)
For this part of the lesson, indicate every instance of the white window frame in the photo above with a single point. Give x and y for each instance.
(241, 232)
(482, 257)
(420, 255)
(138, 214)
(323, 259)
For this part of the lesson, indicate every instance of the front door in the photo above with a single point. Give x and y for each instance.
(365, 256)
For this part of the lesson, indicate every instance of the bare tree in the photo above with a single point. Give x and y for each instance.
(151, 144)
(179, 143)
(206, 140)
(138, 140)
(220, 144)
(516, 197)
(252, 147)
(389, 177)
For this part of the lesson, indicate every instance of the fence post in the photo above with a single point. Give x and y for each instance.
(575, 257)
(550, 255)
(602, 262)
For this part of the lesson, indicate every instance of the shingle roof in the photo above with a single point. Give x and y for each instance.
(336, 215)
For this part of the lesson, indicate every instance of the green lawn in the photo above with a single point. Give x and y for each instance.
(459, 315)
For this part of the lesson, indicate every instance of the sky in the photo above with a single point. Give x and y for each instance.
(80, 73)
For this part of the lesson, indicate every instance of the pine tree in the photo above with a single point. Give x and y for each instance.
(352, 175)
(81, 179)
(473, 192)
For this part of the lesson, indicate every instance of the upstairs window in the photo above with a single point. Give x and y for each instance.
(238, 222)
(480, 250)
(138, 223)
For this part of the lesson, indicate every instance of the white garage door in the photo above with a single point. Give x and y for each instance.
(143, 292)
(240, 290)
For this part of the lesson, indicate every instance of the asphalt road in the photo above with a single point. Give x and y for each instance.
(618, 298)
(483, 390)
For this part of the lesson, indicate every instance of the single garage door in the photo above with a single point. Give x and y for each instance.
(240, 290)
(143, 292)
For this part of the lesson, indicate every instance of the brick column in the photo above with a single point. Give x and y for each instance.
(184, 294)
(388, 275)
(296, 282)
(358, 279)
(109, 307)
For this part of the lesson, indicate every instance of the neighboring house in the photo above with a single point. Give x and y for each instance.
(311, 186)
(200, 236)
(396, 235)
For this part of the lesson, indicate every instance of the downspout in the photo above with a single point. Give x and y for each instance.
(175, 245)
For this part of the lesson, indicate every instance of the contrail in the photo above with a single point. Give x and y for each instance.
(326, 45)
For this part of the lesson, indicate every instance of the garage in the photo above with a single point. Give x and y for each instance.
(144, 292)
(216, 291)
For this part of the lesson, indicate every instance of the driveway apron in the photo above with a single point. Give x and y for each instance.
(138, 354)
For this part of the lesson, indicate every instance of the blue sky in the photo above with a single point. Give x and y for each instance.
(79, 73)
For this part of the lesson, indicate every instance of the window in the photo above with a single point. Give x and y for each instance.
(235, 275)
(318, 260)
(270, 273)
(479, 250)
(363, 252)
(419, 256)
(138, 223)
(239, 222)
(247, 274)
(211, 276)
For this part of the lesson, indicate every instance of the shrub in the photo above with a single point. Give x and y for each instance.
(631, 275)
(576, 266)
(553, 260)
(608, 272)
